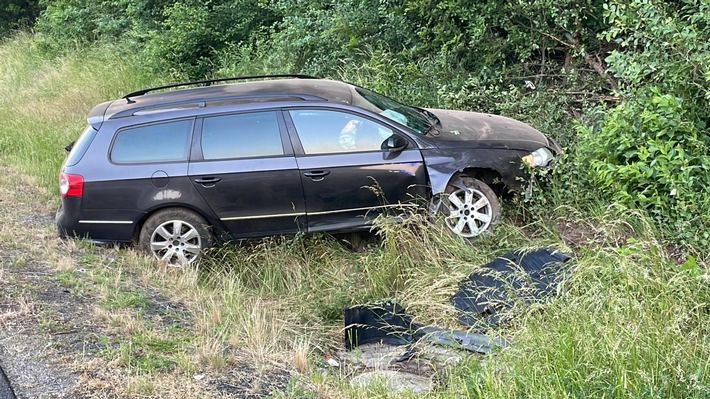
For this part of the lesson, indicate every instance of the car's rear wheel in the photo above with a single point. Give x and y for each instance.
(175, 236)
(468, 206)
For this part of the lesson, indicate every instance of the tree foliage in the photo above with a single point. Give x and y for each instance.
(651, 150)
(17, 14)
(182, 37)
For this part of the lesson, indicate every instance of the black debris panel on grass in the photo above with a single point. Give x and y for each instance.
(483, 301)
(386, 322)
(484, 298)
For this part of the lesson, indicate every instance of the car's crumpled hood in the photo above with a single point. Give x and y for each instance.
(485, 129)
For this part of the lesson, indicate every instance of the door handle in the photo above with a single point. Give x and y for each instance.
(208, 181)
(317, 175)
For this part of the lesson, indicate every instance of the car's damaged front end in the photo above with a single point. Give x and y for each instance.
(494, 147)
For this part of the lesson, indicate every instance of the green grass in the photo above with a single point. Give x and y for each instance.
(119, 298)
(144, 352)
(44, 101)
(630, 322)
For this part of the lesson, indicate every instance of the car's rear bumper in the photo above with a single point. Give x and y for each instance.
(96, 225)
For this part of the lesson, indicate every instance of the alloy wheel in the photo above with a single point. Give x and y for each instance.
(176, 242)
(469, 212)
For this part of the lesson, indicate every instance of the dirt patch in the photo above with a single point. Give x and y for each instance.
(577, 233)
(247, 382)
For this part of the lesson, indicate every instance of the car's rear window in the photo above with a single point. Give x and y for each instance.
(80, 146)
(160, 142)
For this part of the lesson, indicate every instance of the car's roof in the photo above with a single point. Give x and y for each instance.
(252, 91)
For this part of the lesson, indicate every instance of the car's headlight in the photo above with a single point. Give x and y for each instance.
(539, 158)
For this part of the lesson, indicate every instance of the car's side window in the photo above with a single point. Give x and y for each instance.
(160, 142)
(326, 131)
(246, 135)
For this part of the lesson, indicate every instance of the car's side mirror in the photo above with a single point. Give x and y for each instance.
(396, 143)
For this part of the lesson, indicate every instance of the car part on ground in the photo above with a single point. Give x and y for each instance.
(281, 155)
(387, 322)
(485, 297)
(403, 355)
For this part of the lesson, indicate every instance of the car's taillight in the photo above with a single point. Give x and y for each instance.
(71, 185)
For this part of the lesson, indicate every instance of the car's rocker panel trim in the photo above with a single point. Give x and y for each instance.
(281, 215)
(106, 221)
(367, 208)
(295, 214)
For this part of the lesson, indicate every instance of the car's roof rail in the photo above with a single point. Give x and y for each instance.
(205, 101)
(210, 81)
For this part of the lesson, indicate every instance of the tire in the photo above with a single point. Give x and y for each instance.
(175, 236)
(468, 206)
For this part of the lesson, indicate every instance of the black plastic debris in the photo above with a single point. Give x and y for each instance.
(376, 323)
(387, 323)
(528, 276)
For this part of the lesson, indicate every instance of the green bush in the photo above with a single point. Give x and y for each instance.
(17, 14)
(194, 33)
(651, 154)
(79, 22)
(650, 151)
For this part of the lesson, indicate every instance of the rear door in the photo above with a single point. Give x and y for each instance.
(348, 175)
(244, 167)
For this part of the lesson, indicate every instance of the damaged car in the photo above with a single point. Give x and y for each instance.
(172, 168)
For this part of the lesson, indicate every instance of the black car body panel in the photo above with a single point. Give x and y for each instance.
(277, 179)
(442, 164)
(349, 190)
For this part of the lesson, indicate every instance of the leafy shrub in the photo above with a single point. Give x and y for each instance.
(183, 43)
(17, 14)
(651, 149)
(79, 22)
(651, 154)
(181, 37)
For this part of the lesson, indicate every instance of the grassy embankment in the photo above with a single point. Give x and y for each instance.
(628, 323)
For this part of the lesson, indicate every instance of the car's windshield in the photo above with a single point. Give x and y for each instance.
(391, 109)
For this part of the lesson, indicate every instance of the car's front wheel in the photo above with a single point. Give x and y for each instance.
(468, 206)
(175, 236)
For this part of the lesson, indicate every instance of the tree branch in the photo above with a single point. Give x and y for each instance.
(597, 64)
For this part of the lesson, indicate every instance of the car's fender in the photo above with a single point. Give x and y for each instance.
(442, 164)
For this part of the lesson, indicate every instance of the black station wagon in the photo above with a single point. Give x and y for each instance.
(175, 169)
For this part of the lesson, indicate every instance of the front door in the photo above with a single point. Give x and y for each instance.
(348, 178)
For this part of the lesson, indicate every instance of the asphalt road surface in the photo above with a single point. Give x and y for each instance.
(5, 388)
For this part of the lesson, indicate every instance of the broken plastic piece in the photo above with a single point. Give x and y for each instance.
(331, 361)
(526, 276)
(386, 322)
